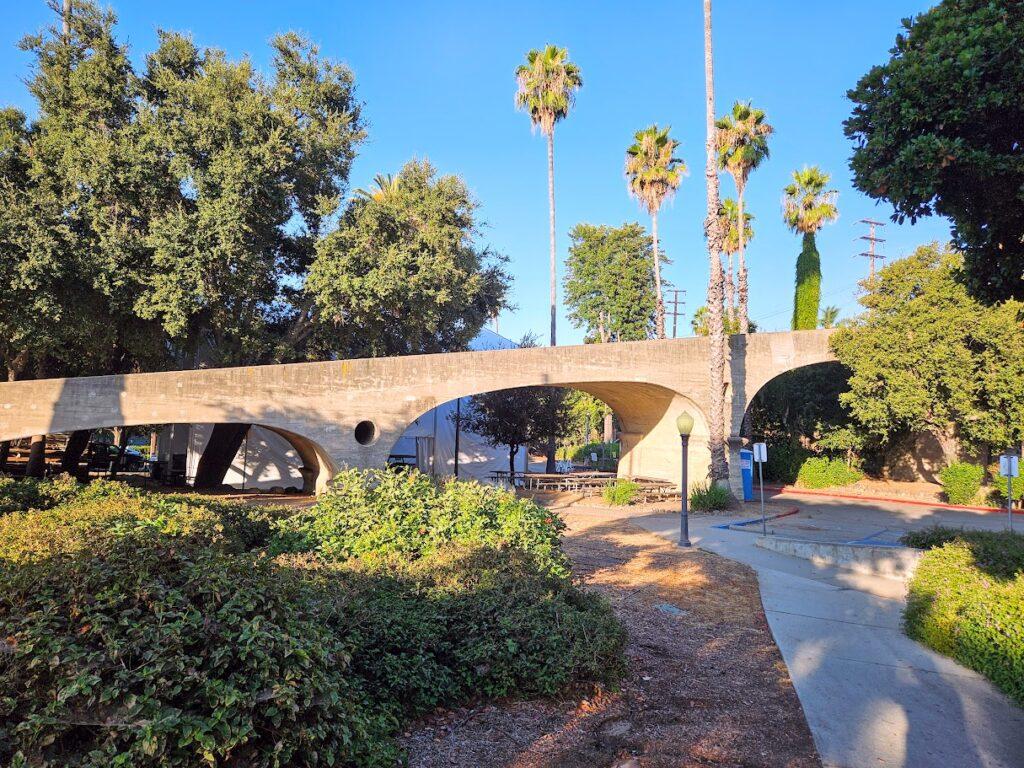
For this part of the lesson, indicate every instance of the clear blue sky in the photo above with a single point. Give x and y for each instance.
(437, 82)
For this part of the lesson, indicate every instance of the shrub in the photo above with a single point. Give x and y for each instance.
(94, 521)
(710, 498)
(378, 513)
(620, 493)
(156, 654)
(966, 600)
(961, 482)
(822, 472)
(29, 493)
(784, 461)
(469, 620)
(156, 631)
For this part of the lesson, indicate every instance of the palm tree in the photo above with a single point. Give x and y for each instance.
(733, 238)
(653, 173)
(386, 186)
(742, 147)
(546, 89)
(716, 320)
(807, 206)
(829, 317)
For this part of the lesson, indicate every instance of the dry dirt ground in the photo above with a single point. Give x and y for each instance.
(706, 684)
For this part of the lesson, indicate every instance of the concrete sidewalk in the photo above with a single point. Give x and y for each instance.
(872, 696)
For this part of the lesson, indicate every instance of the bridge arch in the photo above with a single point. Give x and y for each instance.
(646, 413)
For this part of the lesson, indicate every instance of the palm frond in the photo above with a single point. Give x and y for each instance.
(653, 172)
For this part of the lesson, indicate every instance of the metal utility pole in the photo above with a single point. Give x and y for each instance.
(676, 304)
(870, 237)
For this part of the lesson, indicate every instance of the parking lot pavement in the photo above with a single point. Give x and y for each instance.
(846, 521)
(872, 696)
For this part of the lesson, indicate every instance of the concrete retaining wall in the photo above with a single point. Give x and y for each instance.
(892, 562)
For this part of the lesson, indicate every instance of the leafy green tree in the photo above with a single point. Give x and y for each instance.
(609, 282)
(742, 139)
(519, 417)
(546, 87)
(808, 206)
(259, 166)
(654, 173)
(402, 273)
(939, 128)
(75, 188)
(925, 356)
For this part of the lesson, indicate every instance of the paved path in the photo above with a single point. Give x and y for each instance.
(872, 696)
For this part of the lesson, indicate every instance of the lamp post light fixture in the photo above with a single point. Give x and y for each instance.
(684, 423)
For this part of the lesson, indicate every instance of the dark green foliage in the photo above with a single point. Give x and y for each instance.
(621, 493)
(609, 282)
(785, 457)
(153, 631)
(30, 493)
(925, 356)
(938, 129)
(807, 299)
(402, 273)
(822, 472)
(961, 482)
(710, 498)
(966, 600)
(383, 513)
(149, 652)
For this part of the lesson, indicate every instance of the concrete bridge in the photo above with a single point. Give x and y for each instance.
(351, 412)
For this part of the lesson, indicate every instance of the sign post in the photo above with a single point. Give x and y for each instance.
(761, 456)
(1009, 467)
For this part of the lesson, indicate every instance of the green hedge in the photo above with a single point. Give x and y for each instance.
(966, 600)
(821, 472)
(164, 631)
(961, 482)
(379, 513)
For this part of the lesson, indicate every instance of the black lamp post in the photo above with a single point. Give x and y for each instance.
(684, 423)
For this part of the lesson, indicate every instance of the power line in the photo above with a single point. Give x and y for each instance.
(870, 253)
(676, 303)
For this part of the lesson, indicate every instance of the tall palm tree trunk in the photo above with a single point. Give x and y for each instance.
(716, 327)
(549, 463)
(659, 310)
(551, 218)
(742, 273)
(730, 290)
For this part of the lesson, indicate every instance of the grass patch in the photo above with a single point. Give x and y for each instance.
(966, 600)
(148, 630)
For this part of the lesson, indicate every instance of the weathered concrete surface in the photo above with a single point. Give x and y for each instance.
(873, 697)
(317, 406)
(889, 562)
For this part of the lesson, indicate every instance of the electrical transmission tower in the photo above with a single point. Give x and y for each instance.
(676, 304)
(870, 253)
